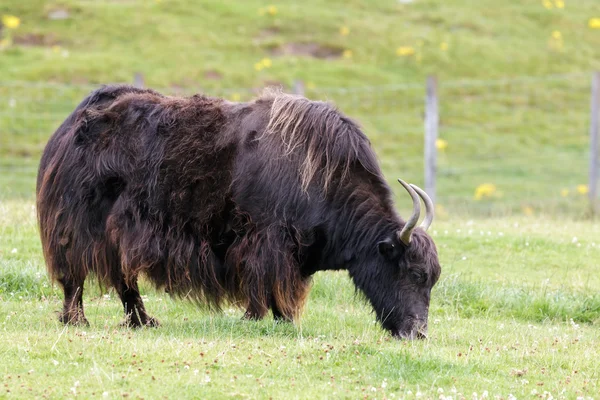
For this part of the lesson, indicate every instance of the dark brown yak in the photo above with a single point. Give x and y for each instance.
(220, 201)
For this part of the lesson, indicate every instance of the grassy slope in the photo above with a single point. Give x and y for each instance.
(527, 138)
(175, 41)
(500, 322)
(500, 318)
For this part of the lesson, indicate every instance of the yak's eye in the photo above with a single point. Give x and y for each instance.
(417, 276)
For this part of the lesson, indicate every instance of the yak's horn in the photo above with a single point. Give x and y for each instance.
(404, 234)
(428, 207)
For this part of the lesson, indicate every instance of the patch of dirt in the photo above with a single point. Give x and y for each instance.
(59, 14)
(266, 35)
(36, 39)
(269, 32)
(470, 27)
(308, 50)
(213, 75)
(79, 80)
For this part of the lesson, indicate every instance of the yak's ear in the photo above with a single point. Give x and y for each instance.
(388, 249)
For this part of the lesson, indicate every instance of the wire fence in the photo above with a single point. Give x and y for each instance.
(518, 145)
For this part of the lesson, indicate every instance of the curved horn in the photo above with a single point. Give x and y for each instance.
(428, 207)
(404, 234)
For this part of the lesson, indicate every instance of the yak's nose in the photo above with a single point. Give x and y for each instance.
(419, 330)
(418, 333)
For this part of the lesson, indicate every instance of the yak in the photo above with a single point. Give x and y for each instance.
(218, 201)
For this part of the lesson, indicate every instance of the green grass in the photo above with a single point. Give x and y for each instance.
(526, 136)
(516, 312)
(517, 309)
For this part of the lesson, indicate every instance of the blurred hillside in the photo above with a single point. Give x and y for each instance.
(514, 78)
(214, 43)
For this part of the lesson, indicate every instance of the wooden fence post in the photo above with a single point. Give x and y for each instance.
(138, 80)
(299, 87)
(594, 127)
(431, 135)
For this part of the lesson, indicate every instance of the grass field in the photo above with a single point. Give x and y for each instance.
(516, 313)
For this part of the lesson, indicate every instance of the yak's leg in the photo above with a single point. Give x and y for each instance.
(73, 303)
(135, 312)
(257, 309)
(278, 315)
(293, 302)
(271, 275)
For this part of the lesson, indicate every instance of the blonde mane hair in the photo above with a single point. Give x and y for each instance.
(327, 141)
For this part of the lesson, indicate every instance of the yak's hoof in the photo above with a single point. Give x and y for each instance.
(73, 318)
(135, 323)
(252, 316)
(152, 323)
(280, 319)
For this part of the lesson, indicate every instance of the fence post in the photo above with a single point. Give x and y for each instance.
(431, 135)
(138, 80)
(299, 87)
(594, 126)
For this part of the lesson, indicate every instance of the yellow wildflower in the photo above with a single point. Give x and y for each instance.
(594, 23)
(528, 210)
(559, 3)
(56, 49)
(347, 54)
(485, 190)
(266, 62)
(582, 189)
(344, 31)
(548, 4)
(310, 85)
(556, 41)
(10, 21)
(443, 46)
(235, 97)
(404, 51)
(564, 192)
(258, 66)
(272, 10)
(441, 144)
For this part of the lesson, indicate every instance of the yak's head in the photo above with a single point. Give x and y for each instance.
(403, 272)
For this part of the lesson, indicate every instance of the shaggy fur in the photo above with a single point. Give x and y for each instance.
(218, 201)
